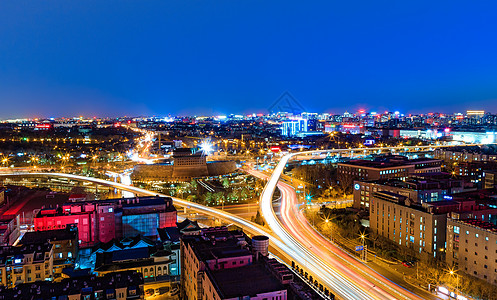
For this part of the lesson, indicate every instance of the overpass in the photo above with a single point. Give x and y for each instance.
(249, 227)
(311, 249)
(344, 282)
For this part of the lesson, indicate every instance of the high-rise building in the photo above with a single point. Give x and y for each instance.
(293, 127)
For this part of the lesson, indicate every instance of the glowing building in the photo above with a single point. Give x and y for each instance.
(104, 220)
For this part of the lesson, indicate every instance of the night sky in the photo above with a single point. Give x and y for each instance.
(111, 58)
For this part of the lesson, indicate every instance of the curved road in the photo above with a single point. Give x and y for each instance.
(321, 257)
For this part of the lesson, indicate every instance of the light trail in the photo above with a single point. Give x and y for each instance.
(304, 238)
(289, 252)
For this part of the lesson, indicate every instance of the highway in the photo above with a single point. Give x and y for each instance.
(293, 237)
(249, 227)
(332, 265)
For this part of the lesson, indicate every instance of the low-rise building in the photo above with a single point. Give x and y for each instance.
(9, 229)
(26, 263)
(127, 285)
(152, 262)
(65, 245)
(104, 220)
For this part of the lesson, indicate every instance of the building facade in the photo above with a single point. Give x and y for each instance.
(419, 228)
(104, 220)
(65, 245)
(26, 264)
(472, 245)
(220, 264)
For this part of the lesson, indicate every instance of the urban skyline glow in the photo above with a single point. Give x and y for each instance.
(159, 58)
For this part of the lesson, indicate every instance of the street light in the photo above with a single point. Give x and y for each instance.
(453, 272)
(364, 247)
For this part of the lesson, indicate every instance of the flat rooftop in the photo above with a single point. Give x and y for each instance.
(218, 244)
(479, 223)
(245, 281)
(376, 164)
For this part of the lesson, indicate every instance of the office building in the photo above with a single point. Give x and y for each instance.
(293, 127)
(104, 220)
(419, 188)
(472, 245)
(421, 228)
(373, 170)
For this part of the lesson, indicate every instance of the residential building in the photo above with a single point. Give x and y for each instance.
(221, 264)
(65, 245)
(26, 263)
(127, 285)
(104, 220)
(152, 262)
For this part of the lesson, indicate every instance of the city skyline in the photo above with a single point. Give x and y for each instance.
(161, 58)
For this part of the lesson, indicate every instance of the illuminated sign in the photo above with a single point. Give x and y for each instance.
(276, 148)
(357, 187)
(43, 126)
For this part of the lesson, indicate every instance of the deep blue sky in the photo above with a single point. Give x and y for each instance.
(108, 58)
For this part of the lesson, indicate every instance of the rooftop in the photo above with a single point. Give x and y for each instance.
(219, 243)
(233, 282)
(85, 285)
(33, 237)
(481, 224)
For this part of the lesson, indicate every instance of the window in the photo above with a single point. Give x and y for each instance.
(456, 229)
(111, 209)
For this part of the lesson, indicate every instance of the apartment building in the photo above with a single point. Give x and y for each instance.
(127, 285)
(65, 245)
(221, 264)
(26, 263)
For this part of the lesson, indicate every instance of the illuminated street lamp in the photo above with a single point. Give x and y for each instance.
(362, 236)
(453, 272)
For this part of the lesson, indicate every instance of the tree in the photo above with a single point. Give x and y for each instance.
(258, 219)
(226, 183)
